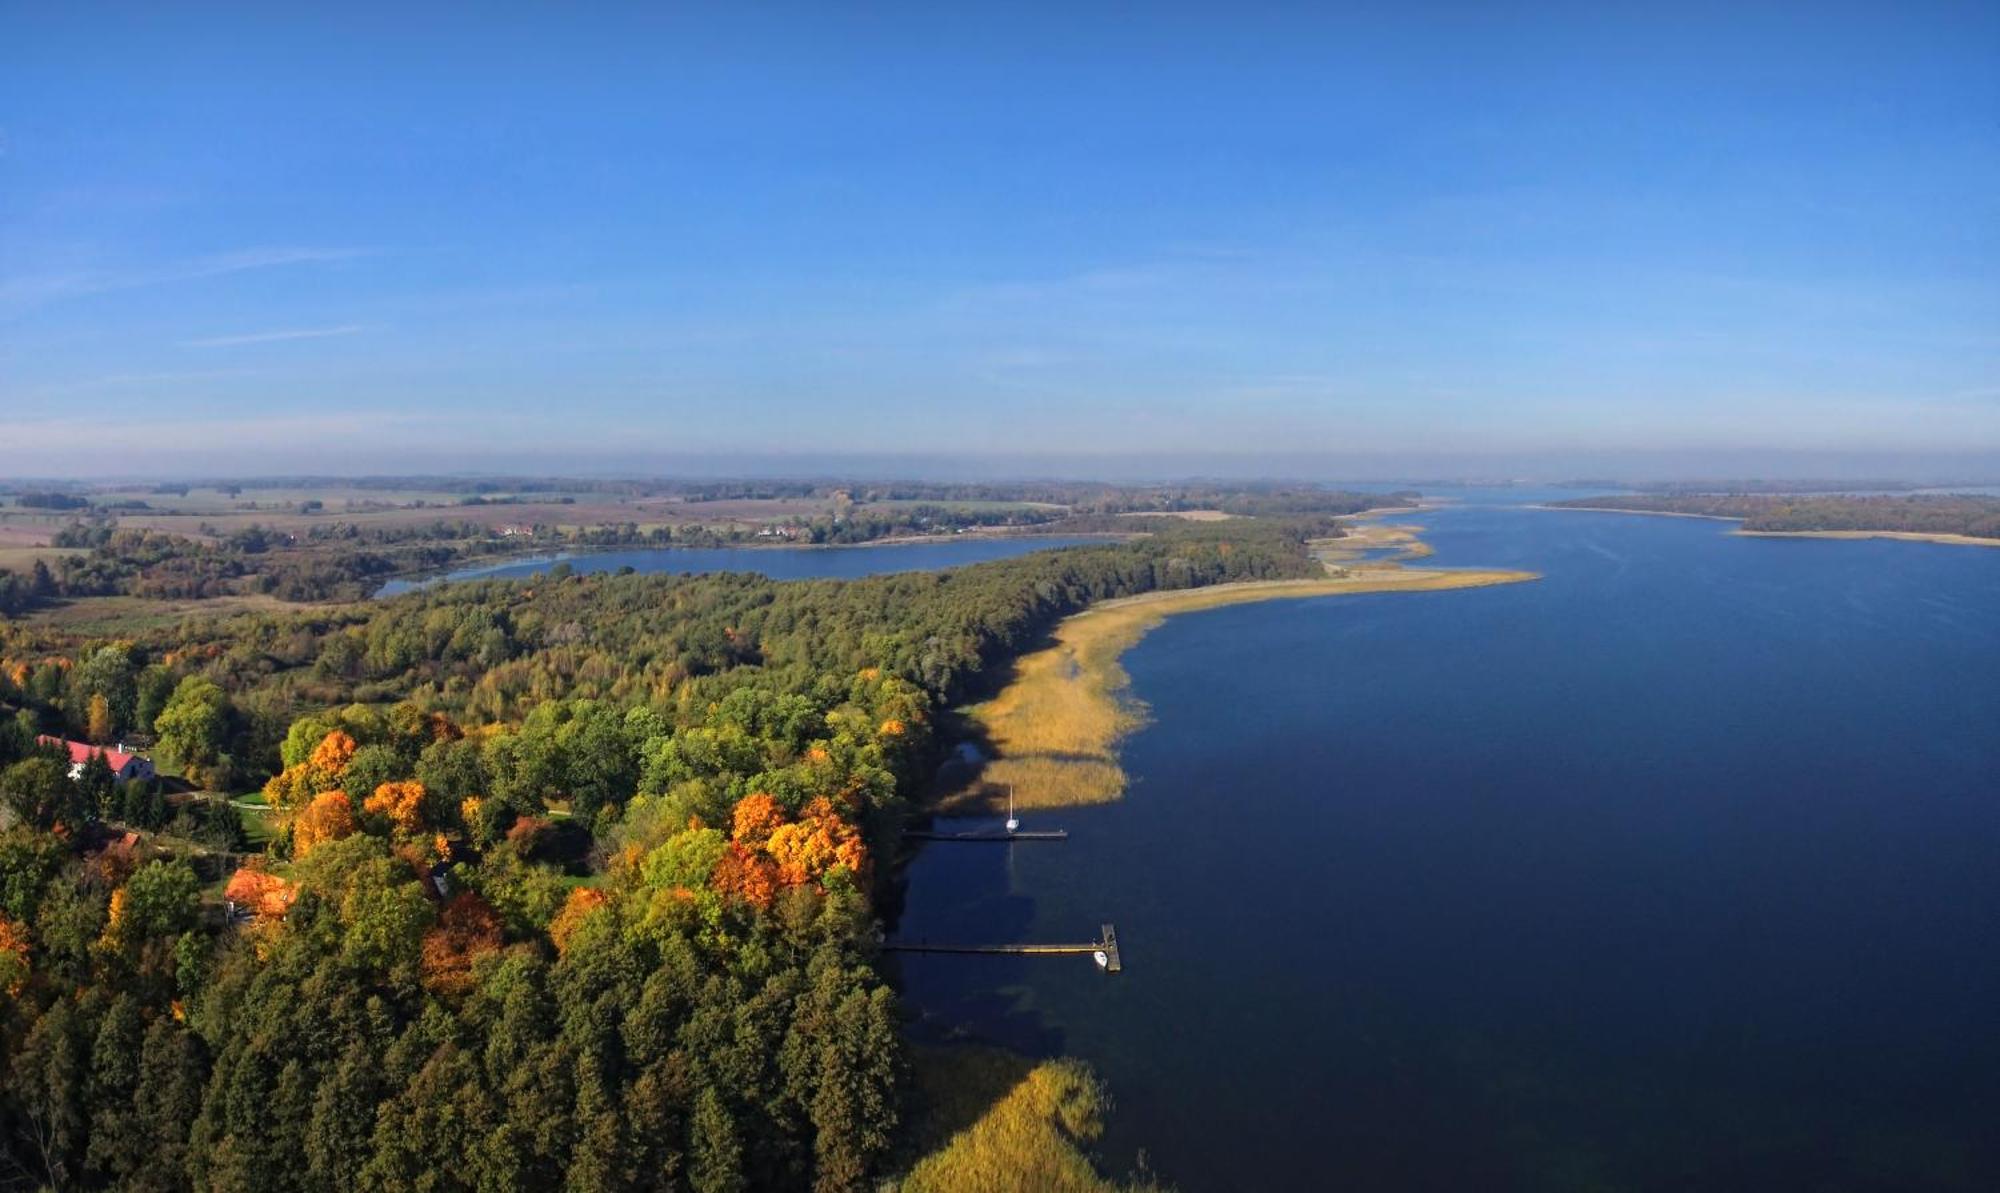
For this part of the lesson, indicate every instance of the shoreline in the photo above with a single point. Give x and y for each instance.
(1606, 509)
(1052, 733)
(1907, 536)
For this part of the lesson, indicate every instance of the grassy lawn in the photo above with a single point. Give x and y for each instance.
(259, 824)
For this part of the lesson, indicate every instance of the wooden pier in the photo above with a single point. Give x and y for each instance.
(988, 834)
(1108, 945)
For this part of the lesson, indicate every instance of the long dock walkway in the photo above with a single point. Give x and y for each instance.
(1108, 945)
(988, 834)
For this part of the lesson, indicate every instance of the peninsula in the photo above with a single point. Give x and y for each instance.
(1051, 733)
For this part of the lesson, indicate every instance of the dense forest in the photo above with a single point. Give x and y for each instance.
(1919, 513)
(570, 881)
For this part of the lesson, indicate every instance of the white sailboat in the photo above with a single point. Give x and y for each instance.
(1013, 825)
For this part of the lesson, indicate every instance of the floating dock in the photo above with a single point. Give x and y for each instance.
(988, 834)
(1107, 945)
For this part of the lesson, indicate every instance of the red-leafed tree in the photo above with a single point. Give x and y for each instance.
(465, 931)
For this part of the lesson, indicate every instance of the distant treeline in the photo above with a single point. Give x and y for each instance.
(1916, 513)
(338, 560)
(1086, 496)
(1821, 485)
(44, 500)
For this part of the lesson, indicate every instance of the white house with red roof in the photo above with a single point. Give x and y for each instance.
(125, 766)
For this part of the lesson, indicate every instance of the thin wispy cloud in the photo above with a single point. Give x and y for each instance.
(24, 398)
(24, 293)
(273, 337)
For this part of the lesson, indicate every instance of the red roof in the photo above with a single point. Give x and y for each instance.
(81, 752)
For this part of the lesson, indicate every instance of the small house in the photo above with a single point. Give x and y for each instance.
(125, 765)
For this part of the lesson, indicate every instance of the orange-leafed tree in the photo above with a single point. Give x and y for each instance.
(583, 902)
(261, 893)
(101, 727)
(815, 844)
(757, 817)
(465, 931)
(116, 915)
(331, 756)
(328, 818)
(746, 874)
(289, 788)
(320, 772)
(401, 804)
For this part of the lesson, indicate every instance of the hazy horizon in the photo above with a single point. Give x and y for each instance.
(1002, 242)
(1969, 470)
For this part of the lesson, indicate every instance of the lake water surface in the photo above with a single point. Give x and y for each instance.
(1678, 869)
(779, 563)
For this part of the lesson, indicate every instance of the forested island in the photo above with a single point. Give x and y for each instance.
(1939, 516)
(562, 882)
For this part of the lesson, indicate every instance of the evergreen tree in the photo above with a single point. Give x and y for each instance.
(715, 1157)
(114, 1079)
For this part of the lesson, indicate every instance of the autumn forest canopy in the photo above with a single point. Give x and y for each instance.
(562, 882)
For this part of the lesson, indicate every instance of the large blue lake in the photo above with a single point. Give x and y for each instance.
(779, 563)
(1678, 869)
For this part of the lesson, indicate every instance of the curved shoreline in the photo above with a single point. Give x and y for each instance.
(1907, 536)
(1054, 730)
(1609, 509)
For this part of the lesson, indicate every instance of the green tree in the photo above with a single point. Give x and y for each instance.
(39, 791)
(192, 729)
(67, 924)
(715, 1155)
(452, 770)
(114, 1079)
(27, 861)
(371, 767)
(49, 1116)
(172, 1072)
(602, 1160)
(110, 674)
(162, 898)
(155, 686)
(98, 784)
(343, 1118)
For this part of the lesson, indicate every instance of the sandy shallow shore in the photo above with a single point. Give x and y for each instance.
(1052, 733)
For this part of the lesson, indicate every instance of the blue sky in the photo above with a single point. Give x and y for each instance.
(1220, 237)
